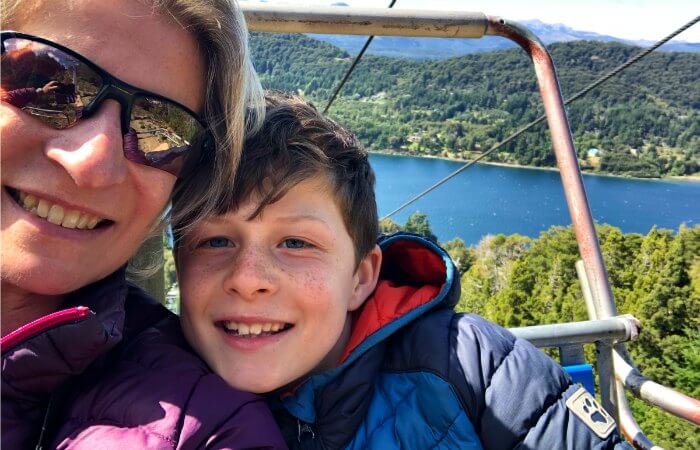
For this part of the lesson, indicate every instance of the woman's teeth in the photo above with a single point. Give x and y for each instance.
(57, 214)
(253, 329)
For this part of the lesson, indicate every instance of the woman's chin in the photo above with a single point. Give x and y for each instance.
(44, 278)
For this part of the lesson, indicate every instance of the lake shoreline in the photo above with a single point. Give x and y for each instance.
(683, 178)
(489, 199)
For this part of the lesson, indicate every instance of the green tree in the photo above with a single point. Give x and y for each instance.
(388, 226)
(418, 223)
(460, 254)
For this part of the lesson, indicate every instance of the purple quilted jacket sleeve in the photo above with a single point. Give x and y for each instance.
(161, 396)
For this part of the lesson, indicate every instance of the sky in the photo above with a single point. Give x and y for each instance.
(628, 19)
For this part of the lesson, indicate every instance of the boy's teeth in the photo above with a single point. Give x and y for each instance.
(254, 329)
(57, 214)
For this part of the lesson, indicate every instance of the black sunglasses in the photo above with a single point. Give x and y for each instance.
(59, 86)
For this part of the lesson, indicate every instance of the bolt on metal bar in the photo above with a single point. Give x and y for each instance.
(617, 329)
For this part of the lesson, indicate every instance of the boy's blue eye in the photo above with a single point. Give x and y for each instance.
(217, 242)
(295, 243)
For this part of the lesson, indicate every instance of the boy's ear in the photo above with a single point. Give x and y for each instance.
(366, 278)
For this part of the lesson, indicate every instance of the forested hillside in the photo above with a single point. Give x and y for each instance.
(520, 281)
(645, 122)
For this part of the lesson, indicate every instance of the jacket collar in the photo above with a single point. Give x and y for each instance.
(416, 276)
(46, 352)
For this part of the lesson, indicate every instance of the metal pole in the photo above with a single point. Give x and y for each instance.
(665, 398)
(567, 161)
(586, 289)
(616, 329)
(364, 21)
(605, 365)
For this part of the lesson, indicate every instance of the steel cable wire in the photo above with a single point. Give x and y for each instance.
(541, 118)
(352, 67)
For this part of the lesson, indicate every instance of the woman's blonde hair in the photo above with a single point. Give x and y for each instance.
(233, 105)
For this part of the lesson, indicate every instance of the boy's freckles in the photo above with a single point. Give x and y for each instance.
(293, 265)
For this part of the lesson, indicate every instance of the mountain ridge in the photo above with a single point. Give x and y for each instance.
(642, 123)
(442, 48)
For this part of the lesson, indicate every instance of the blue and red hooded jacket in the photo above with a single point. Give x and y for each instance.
(417, 375)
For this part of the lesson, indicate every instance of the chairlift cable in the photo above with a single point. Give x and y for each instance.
(541, 118)
(352, 67)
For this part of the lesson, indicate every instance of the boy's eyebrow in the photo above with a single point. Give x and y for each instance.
(221, 219)
(301, 218)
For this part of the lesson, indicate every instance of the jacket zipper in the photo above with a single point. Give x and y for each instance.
(304, 429)
(42, 324)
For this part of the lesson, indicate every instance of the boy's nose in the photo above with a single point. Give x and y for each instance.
(91, 151)
(252, 275)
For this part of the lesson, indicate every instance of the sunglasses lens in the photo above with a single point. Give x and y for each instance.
(46, 82)
(164, 132)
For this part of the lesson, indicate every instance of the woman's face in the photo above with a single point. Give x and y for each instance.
(83, 168)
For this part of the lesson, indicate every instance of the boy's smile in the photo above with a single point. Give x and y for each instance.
(265, 301)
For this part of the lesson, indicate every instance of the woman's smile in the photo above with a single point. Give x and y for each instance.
(58, 212)
(74, 209)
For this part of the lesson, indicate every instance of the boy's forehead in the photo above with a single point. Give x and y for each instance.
(312, 199)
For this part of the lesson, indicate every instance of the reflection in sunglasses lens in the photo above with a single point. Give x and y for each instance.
(55, 88)
(165, 131)
(45, 82)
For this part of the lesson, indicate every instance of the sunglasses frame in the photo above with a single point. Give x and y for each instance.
(112, 87)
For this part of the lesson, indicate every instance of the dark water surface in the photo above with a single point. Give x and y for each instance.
(490, 199)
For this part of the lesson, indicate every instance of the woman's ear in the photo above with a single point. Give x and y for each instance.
(366, 278)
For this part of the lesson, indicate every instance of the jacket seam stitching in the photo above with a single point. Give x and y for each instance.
(471, 415)
(444, 435)
(427, 371)
(495, 372)
(389, 417)
(544, 410)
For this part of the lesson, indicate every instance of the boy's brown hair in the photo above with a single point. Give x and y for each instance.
(297, 143)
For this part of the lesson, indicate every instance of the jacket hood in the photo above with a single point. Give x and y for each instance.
(416, 276)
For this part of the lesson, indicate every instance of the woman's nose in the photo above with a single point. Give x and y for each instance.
(91, 151)
(252, 275)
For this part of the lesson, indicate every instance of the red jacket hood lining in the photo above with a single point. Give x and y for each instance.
(411, 276)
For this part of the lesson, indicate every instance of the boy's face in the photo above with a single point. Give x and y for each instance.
(265, 301)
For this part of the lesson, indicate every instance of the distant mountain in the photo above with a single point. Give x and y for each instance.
(441, 48)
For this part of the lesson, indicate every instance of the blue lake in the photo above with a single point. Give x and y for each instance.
(491, 199)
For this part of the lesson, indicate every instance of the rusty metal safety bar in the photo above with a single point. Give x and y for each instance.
(425, 23)
(616, 329)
